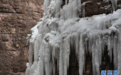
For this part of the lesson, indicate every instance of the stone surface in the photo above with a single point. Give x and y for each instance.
(96, 7)
(17, 17)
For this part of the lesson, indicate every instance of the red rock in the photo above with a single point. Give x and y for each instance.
(17, 17)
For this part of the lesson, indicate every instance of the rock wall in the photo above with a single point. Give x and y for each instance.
(95, 7)
(17, 17)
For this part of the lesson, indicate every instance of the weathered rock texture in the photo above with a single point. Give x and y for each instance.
(95, 7)
(17, 17)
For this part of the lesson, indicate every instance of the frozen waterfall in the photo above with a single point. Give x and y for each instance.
(61, 27)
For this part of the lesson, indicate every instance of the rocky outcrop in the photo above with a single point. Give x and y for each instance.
(96, 7)
(17, 17)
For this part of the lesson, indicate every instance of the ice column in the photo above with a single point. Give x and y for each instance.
(81, 55)
(64, 56)
(119, 51)
(61, 26)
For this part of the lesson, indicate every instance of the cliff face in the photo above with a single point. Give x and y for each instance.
(17, 17)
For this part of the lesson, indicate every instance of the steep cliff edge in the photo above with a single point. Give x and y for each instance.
(17, 17)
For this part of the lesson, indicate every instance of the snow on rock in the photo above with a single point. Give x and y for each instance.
(61, 27)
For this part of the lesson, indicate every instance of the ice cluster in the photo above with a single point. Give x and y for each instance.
(61, 27)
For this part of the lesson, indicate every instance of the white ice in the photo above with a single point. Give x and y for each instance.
(52, 37)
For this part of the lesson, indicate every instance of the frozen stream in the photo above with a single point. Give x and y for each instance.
(61, 26)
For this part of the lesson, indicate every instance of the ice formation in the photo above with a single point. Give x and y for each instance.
(61, 27)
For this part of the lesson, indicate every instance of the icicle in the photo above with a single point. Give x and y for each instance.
(58, 5)
(81, 56)
(61, 63)
(119, 51)
(53, 60)
(95, 57)
(83, 11)
(100, 50)
(47, 59)
(62, 27)
(36, 48)
(109, 48)
(83, 8)
(41, 69)
(64, 56)
(90, 45)
(46, 4)
(28, 69)
(115, 52)
(114, 4)
(75, 8)
(79, 5)
(77, 44)
(30, 54)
